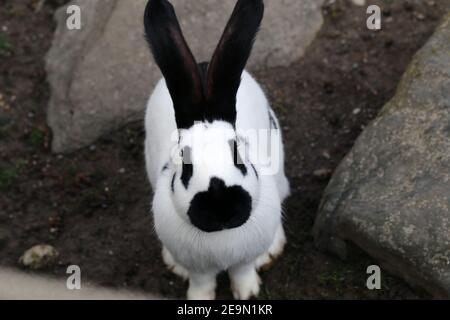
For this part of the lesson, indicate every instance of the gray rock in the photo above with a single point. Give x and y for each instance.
(391, 195)
(101, 76)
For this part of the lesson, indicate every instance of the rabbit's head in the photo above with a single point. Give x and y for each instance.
(213, 186)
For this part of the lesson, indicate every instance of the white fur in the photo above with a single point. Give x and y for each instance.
(245, 281)
(203, 255)
(275, 250)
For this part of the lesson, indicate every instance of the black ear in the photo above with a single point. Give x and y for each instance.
(230, 58)
(176, 62)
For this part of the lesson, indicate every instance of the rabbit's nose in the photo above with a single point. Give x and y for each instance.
(220, 207)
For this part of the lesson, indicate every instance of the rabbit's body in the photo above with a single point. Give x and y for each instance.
(214, 156)
(216, 251)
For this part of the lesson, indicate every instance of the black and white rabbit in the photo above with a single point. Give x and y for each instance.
(212, 215)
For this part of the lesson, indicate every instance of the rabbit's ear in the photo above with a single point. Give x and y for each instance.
(176, 62)
(230, 58)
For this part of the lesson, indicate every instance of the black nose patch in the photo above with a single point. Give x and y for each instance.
(220, 207)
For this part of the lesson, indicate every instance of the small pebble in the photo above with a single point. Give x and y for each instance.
(39, 257)
(326, 155)
(359, 2)
(419, 16)
(357, 111)
(323, 173)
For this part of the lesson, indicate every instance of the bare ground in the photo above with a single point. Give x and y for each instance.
(94, 205)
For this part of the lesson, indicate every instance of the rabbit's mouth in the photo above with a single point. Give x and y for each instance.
(220, 207)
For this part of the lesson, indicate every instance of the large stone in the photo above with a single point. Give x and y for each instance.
(391, 195)
(102, 75)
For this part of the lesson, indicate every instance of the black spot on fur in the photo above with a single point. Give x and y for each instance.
(229, 60)
(237, 160)
(200, 91)
(188, 168)
(186, 175)
(166, 166)
(173, 182)
(220, 207)
(176, 62)
(203, 67)
(256, 172)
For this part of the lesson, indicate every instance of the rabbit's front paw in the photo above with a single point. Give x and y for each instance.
(173, 266)
(245, 282)
(202, 286)
(198, 293)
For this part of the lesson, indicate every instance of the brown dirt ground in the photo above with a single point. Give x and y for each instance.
(93, 205)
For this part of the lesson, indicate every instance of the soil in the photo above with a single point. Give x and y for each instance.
(93, 205)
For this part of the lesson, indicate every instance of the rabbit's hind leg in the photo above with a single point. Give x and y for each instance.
(265, 261)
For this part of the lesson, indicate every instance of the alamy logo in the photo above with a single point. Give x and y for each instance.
(73, 21)
(74, 280)
(374, 20)
(374, 280)
(261, 147)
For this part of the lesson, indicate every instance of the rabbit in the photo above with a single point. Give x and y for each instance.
(212, 216)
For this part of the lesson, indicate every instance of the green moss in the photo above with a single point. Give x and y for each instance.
(36, 138)
(6, 47)
(337, 278)
(9, 175)
(91, 200)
